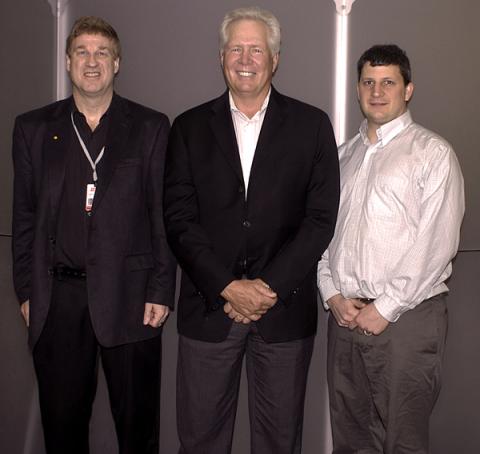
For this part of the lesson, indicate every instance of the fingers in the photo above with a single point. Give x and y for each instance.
(264, 289)
(155, 314)
(237, 316)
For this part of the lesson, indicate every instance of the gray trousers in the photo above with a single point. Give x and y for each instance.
(208, 379)
(383, 388)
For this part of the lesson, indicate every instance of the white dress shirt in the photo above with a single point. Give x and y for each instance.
(247, 131)
(401, 207)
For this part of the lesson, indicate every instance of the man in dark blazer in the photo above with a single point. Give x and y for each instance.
(92, 268)
(251, 196)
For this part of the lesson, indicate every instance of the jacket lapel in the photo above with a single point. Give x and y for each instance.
(56, 144)
(222, 127)
(272, 123)
(115, 147)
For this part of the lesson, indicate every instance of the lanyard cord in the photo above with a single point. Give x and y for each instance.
(87, 154)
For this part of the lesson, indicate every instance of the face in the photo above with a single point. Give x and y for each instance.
(247, 62)
(382, 94)
(92, 65)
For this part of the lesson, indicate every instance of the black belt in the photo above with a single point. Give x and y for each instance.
(62, 272)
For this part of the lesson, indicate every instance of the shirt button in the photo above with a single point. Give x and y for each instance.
(246, 224)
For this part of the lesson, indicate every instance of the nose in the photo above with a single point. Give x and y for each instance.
(377, 90)
(91, 59)
(245, 57)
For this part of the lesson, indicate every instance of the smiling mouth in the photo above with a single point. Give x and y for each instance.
(92, 74)
(246, 73)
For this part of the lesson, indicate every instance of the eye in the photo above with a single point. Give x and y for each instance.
(368, 83)
(81, 52)
(257, 51)
(235, 50)
(388, 82)
(102, 53)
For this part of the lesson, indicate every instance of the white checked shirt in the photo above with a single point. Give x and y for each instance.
(401, 207)
(247, 131)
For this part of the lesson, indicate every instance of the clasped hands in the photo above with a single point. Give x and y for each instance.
(248, 300)
(353, 314)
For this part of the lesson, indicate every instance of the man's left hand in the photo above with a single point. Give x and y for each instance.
(155, 314)
(369, 320)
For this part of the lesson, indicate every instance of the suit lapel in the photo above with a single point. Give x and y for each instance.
(272, 123)
(115, 147)
(222, 127)
(56, 144)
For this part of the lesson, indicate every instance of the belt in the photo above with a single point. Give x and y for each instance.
(61, 272)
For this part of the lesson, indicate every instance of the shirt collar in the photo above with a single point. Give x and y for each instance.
(113, 105)
(234, 108)
(388, 131)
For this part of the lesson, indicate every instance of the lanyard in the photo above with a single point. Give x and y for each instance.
(87, 154)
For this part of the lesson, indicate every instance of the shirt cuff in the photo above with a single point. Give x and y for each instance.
(327, 290)
(389, 309)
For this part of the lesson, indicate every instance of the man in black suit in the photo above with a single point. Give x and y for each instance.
(251, 196)
(92, 268)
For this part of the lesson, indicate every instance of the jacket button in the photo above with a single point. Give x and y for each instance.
(52, 239)
(241, 189)
(246, 224)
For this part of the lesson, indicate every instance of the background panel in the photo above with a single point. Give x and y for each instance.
(26, 77)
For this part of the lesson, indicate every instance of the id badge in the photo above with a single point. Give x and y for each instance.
(90, 195)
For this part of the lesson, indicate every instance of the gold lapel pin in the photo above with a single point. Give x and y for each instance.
(55, 137)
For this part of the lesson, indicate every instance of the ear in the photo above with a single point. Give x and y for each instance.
(222, 54)
(276, 59)
(67, 62)
(409, 91)
(116, 65)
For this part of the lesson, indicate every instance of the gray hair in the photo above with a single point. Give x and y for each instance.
(252, 13)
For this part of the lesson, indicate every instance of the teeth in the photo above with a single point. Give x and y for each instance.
(246, 73)
(92, 74)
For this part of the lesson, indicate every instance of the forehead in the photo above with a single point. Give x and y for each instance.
(381, 71)
(247, 30)
(92, 40)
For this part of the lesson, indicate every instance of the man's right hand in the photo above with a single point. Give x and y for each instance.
(25, 310)
(249, 298)
(345, 310)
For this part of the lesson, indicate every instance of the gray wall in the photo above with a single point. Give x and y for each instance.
(170, 63)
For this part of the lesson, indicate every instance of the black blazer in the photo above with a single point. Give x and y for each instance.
(128, 259)
(278, 234)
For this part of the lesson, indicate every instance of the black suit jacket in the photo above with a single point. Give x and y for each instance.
(277, 234)
(128, 261)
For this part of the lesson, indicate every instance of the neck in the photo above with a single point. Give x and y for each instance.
(249, 106)
(372, 133)
(92, 107)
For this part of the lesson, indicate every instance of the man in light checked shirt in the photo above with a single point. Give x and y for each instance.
(383, 275)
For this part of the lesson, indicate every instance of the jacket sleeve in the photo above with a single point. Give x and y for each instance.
(161, 283)
(23, 219)
(187, 238)
(299, 255)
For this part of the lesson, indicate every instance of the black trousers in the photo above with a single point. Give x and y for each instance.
(383, 388)
(208, 378)
(66, 362)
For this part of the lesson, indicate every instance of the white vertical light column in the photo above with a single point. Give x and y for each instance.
(343, 8)
(60, 12)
